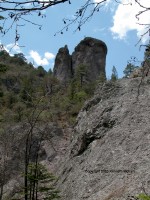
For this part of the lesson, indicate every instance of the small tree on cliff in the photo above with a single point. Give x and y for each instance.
(114, 75)
(80, 74)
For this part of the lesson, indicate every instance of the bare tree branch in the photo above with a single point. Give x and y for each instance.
(17, 11)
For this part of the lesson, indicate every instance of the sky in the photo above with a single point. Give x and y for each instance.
(115, 24)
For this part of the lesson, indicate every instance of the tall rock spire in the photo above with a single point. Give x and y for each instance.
(90, 52)
(62, 67)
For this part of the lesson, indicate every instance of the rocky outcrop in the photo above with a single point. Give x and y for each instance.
(62, 68)
(141, 71)
(89, 52)
(109, 157)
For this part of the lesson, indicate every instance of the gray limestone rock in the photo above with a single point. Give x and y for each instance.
(109, 157)
(141, 71)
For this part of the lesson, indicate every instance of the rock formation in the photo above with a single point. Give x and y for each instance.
(109, 157)
(141, 71)
(62, 68)
(89, 52)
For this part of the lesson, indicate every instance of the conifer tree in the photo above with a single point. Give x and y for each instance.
(114, 75)
(80, 73)
(129, 69)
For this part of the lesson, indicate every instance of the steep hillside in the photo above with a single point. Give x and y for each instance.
(99, 153)
(22, 85)
(109, 156)
(37, 113)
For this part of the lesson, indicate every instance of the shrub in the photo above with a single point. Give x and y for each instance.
(143, 196)
(80, 96)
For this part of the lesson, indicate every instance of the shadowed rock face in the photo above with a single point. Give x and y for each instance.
(62, 67)
(91, 53)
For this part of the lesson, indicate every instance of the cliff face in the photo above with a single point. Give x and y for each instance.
(89, 52)
(109, 157)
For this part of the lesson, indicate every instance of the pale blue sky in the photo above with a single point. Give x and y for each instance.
(119, 33)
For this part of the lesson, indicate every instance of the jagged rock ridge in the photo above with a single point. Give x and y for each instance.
(90, 52)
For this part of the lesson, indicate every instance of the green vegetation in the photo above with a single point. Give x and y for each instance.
(3, 68)
(143, 196)
(20, 83)
(39, 184)
(80, 74)
(129, 69)
(37, 180)
(114, 75)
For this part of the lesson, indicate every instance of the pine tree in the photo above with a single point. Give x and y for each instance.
(114, 75)
(80, 73)
(129, 69)
(40, 183)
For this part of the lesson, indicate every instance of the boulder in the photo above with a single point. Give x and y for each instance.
(141, 71)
